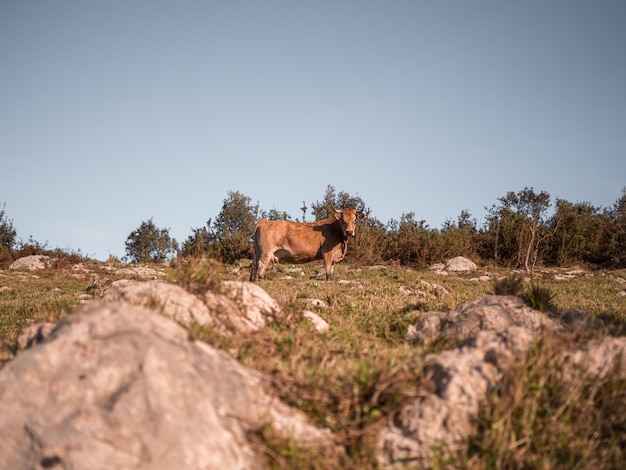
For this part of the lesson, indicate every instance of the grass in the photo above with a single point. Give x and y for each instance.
(534, 421)
(361, 371)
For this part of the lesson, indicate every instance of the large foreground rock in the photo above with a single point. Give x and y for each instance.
(119, 386)
(240, 306)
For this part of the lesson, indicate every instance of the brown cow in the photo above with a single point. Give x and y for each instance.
(297, 242)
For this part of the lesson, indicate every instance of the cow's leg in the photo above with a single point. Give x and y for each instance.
(329, 266)
(254, 267)
(264, 261)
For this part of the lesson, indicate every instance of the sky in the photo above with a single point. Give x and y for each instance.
(116, 112)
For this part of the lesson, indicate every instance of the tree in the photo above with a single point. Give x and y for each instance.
(410, 241)
(518, 227)
(200, 242)
(149, 243)
(459, 239)
(274, 214)
(618, 218)
(228, 238)
(324, 210)
(234, 227)
(578, 233)
(7, 232)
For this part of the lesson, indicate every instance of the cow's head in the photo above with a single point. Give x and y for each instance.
(348, 219)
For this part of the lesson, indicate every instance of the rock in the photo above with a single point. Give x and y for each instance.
(496, 332)
(80, 268)
(244, 309)
(140, 272)
(352, 284)
(445, 419)
(34, 334)
(316, 303)
(491, 312)
(460, 264)
(434, 290)
(377, 267)
(168, 299)
(580, 319)
(428, 290)
(5, 289)
(32, 263)
(252, 300)
(298, 271)
(408, 291)
(438, 267)
(318, 322)
(597, 359)
(119, 386)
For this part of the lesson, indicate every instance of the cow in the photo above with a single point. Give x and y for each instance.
(299, 242)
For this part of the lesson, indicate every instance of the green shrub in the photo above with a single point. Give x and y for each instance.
(149, 243)
(540, 298)
(7, 231)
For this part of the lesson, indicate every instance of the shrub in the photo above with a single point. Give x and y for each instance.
(228, 238)
(540, 298)
(149, 243)
(198, 275)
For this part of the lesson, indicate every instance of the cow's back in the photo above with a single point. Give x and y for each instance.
(293, 241)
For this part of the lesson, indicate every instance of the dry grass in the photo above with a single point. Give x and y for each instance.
(534, 420)
(362, 370)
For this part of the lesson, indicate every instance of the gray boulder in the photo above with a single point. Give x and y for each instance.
(119, 386)
(240, 306)
(460, 264)
(32, 263)
(491, 312)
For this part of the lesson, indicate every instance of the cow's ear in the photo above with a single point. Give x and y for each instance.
(338, 214)
(359, 215)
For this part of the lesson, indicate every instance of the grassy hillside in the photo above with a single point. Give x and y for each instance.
(350, 378)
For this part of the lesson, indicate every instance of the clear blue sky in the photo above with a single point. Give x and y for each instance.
(115, 112)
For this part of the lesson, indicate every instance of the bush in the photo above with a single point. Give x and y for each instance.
(149, 243)
(540, 298)
(7, 231)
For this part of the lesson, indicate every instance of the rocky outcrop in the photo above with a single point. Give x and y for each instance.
(34, 334)
(240, 306)
(443, 420)
(320, 325)
(32, 263)
(491, 312)
(457, 264)
(119, 386)
(460, 264)
(143, 273)
(495, 333)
